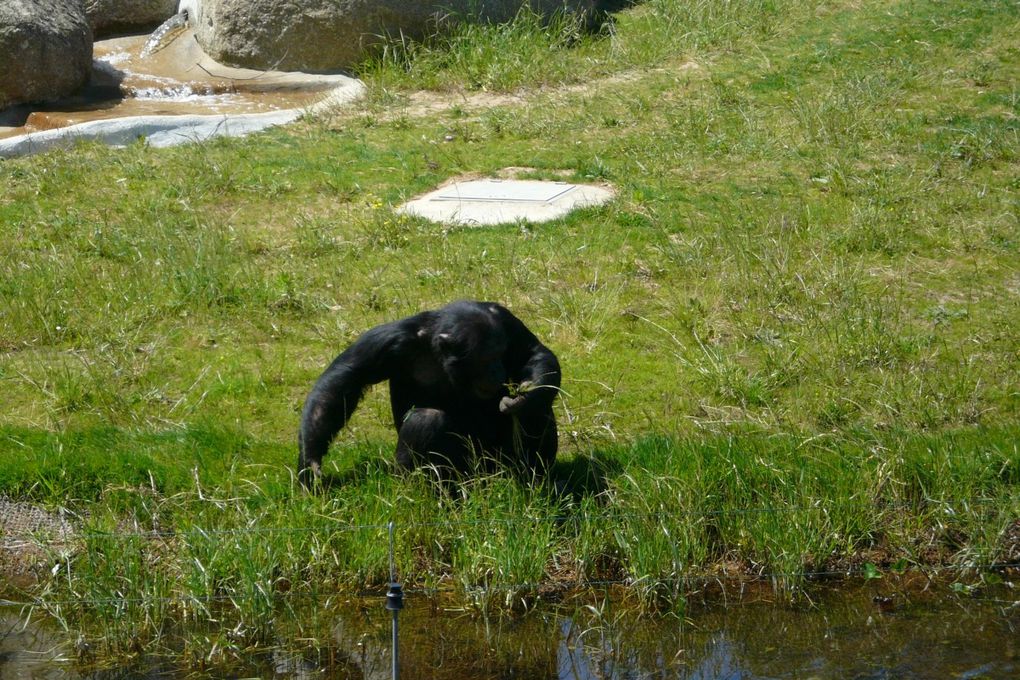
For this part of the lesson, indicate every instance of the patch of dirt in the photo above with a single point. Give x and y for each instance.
(1011, 544)
(26, 531)
(425, 102)
(429, 102)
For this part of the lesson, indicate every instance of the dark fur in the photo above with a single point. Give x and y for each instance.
(449, 372)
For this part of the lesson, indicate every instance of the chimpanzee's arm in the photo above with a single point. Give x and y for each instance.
(531, 364)
(371, 359)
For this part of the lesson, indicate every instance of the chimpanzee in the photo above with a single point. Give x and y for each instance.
(470, 387)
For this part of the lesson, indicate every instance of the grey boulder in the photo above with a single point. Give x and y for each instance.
(45, 49)
(113, 16)
(329, 35)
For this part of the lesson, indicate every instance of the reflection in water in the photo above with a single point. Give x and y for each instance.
(837, 635)
(28, 651)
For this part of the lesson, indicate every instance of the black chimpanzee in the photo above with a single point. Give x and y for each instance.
(470, 385)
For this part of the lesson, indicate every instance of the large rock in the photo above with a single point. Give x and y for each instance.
(327, 35)
(115, 16)
(45, 49)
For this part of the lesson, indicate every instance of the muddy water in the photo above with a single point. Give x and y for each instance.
(178, 79)
(837, 634)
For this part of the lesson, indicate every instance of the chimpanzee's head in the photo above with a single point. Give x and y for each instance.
(470, 343)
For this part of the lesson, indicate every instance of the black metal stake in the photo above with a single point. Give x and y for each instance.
(394, 602)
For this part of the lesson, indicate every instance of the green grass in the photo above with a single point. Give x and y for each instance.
(156, 562)
(789, 345)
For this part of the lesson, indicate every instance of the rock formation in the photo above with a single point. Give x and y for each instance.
(45, 49)
(112, 16)
(329, 35)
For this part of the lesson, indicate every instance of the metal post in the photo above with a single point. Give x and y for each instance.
(394, 602)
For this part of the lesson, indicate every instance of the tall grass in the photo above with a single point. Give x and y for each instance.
(147, 567)
(527, 50)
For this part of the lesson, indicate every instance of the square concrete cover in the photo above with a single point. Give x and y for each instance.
(498, 201)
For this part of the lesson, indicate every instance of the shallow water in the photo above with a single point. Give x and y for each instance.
(179, 79)
(836, 634)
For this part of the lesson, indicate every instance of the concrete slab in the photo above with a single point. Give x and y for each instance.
(499, 201)
(157, 131)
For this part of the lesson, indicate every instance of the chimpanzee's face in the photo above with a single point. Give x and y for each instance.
(471, 352)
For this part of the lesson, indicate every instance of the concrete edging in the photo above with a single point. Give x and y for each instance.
(164, 131)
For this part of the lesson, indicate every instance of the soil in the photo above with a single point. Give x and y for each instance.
(29, 537)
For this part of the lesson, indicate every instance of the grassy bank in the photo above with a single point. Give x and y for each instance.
(668, 517)
(790, 345)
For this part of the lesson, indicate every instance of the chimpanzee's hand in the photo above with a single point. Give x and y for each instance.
(510, 405)
(513, 404)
